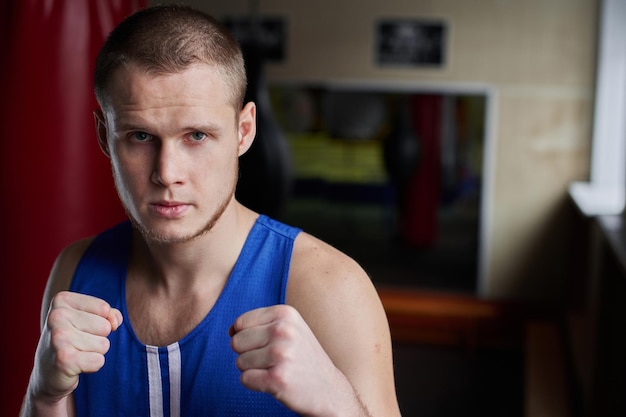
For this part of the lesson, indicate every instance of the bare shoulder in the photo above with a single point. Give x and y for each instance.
(321, 271)
(326, 284)
(62, 272)
(311, 253)
(339, 302)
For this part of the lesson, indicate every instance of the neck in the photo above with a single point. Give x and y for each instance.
(204, 261)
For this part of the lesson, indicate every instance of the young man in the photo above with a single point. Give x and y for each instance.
(199, 306)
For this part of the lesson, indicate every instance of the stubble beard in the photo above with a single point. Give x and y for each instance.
(152, 235)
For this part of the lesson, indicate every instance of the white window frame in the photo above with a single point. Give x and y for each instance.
(605, 192)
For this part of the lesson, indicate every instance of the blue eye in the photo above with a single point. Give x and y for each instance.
(141, 136)
(198, 136)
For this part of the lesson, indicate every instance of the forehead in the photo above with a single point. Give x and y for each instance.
(132, 87)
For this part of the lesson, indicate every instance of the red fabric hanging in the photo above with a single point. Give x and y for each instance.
(419, 211)
(56, 184)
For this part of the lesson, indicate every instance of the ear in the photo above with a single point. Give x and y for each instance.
(246, 127)
(101, 131)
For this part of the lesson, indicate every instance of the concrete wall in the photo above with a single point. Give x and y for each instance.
(536, 56)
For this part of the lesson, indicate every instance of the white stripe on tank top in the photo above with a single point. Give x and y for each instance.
(175, 367)
(155, 389)
(155, 384)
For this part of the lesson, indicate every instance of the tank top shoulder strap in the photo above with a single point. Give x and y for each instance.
(262, 270)
(289, 232)
(102, 268)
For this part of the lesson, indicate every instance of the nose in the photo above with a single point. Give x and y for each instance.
(168, 165)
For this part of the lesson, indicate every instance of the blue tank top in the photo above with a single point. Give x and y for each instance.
(197, 375)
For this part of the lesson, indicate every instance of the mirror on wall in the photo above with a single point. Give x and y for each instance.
(391, 177)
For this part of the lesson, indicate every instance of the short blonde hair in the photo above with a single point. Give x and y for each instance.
(169, 39)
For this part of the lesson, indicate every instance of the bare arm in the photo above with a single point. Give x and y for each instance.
(73, 340)
(328, 353)
(339, 302)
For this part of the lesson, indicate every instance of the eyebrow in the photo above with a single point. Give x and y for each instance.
(131, 124)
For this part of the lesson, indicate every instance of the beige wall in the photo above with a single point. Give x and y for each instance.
(538, 58)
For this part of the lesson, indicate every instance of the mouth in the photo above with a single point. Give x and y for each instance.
(169, 209)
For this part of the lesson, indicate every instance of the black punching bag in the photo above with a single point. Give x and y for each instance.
(401, 149)
(265, 170)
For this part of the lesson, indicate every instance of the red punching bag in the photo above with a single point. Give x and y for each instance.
(56, 184)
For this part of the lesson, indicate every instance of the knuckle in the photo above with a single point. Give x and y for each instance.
(235, 344)
(285, 311)
(102, 327)
(57, 315)
(97, 362)
(65, 358)
(103, 308)
(61, 298)
(239, 323)
(280, 354)
(248, 381)
(279, 379)
(241, 363)
(99, 307)
(277, 353)
(283, 329)
(103, 345)
(59, 335)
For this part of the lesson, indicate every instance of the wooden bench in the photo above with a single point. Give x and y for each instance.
(451, 319)
(467, 322)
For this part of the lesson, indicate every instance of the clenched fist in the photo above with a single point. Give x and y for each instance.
(73, 341)
(280, 355)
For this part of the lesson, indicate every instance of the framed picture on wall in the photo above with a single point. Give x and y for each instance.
(270, 32)
(411, 42)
